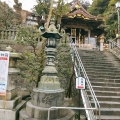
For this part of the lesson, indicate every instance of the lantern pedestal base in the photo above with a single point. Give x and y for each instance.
(42, 100)
(48, 98)
(39, 113)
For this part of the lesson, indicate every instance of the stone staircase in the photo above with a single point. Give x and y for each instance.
(103, 70)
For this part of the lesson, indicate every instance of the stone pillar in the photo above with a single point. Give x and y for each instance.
(10, 106)
(102, 38)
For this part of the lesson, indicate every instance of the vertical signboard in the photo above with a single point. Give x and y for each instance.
(80, 83)
(4, 64)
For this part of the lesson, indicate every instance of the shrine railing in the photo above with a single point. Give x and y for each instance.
(114, 47)
(7, 34)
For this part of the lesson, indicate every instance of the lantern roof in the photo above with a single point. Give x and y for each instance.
(51, 35)
(51, 31)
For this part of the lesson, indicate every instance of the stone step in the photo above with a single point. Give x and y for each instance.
(10, 104)
(106, 88)
(98, 57)
(107, 104)
(7, 114)
(97, 66)
(104, 76)
(105, 93)
(107, 98)
(111, 117)
(111, 84)
(110, 80)
(110, 111)
(102, 72)
(97, 63)
(92, 54)
(101, 67)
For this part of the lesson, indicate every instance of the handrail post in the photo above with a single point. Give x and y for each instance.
(49, 113)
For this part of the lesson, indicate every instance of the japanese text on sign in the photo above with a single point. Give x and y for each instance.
(4, 63)
(80, 83)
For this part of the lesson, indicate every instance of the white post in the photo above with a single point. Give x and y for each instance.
(101, 42)
(88, 36)
(101, 46)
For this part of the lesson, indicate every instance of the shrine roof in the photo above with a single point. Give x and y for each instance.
(78, 11)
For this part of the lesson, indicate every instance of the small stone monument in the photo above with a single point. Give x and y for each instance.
(102, 38)
(49, 93)
(10, 106)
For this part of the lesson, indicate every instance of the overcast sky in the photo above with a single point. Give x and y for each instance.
(27, 4)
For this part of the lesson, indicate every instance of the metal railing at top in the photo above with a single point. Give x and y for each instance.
(114, 47)
(80, 72)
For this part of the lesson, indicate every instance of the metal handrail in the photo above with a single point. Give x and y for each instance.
(114, 47)
(71, 108)
(80, 65)
(77, 72)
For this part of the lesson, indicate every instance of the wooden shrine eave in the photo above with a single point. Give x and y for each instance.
(80, 23)
(84, 18)
(82, 14)
(78, 17)
(77, 10)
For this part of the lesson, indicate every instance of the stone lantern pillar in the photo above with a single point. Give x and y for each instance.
(102, 38)
(49, 93)
(10, 106)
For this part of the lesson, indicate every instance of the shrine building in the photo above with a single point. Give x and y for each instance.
(83, 27)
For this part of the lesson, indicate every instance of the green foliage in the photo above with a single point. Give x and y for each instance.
(107, 10)
(42, 7)
(33, 63)
(17, 6)
(6, 15)
(64, 65)
(66, 72)
(28, 36)
(8, 18)
(61, 9)
(98, 7)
